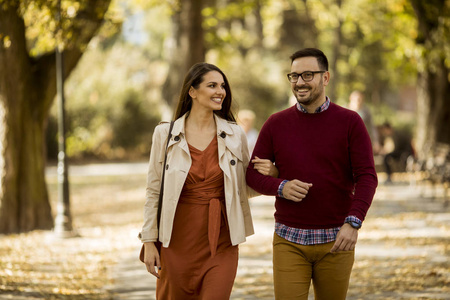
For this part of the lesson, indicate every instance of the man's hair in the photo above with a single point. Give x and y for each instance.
(319, 55)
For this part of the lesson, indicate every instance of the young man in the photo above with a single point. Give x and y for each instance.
(326, 184)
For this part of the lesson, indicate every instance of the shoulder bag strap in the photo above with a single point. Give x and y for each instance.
(162, 177)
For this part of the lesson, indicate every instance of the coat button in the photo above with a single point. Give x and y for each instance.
(232, 162)
(223, 135)
(177, 138)
(167, 167)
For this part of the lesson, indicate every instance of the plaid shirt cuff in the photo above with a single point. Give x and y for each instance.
(353, 219)
(280, 188)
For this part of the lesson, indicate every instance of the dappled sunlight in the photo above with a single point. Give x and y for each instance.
(107, 214)
(402, 252)
(123, 67)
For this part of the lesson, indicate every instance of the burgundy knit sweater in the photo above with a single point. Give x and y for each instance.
(331, 150)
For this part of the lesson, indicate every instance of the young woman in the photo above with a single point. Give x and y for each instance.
(205, 212)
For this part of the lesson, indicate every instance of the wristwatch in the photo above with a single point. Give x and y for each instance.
(354, 224)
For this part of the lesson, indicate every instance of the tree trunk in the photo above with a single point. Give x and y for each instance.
(259, 26)
(187, 46)
(433, 118)
(298, 29)
(24, 199)
(192, 37)
(27, 90)
(336, 55)
(433, 86)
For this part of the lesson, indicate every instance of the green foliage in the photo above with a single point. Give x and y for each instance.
(48, 26)
(117, 86)
(40, 20)
(110, 110)
(230, 26)
(258, 88)
(377, 48)
(132, 123)
(433, 38)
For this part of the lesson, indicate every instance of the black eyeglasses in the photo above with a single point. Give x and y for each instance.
(306, 76)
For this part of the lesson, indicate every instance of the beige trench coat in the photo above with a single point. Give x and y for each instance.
(233, 160)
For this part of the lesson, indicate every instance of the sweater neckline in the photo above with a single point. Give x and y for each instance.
(313, 115)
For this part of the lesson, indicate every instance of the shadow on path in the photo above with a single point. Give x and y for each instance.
(401, 229)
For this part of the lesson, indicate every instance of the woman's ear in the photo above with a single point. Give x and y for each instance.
(192, 92)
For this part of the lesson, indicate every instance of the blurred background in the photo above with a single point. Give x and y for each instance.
(128, 79)
(124, 62)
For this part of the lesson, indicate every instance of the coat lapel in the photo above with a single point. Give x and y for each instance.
(179, 131)
(232, 141)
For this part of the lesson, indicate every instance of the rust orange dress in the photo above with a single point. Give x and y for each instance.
(200, 262)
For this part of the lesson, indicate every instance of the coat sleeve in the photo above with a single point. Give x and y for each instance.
(149, 231)
(246, 160)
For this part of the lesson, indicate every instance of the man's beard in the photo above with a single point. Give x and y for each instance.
(314, 93)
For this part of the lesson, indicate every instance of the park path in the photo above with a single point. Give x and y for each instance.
(253, 281)
(103, 169)
(402, 252)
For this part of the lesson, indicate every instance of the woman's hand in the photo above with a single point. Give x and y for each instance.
(151, 259)
(265, 167)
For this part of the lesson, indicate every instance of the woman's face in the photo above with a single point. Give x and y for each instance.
(210, 93)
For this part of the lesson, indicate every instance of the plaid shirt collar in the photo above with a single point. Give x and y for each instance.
(320, 109)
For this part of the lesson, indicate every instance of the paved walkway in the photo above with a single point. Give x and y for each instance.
(132, 282)
(103, 169)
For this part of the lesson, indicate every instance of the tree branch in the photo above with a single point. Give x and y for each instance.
(84, 27)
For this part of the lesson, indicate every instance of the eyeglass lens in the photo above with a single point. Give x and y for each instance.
(306, 76)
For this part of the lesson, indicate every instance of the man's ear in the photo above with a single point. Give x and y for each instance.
(192, 92)
(326, 78)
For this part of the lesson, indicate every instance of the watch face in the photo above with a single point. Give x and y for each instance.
(355, 225)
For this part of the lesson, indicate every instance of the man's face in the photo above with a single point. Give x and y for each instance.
(312, 92)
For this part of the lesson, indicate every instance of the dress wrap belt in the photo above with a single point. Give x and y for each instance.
(208, 192)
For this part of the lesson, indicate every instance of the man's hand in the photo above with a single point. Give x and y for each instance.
(151, 259)
(345, 239)
(296, 190)
(265, 167)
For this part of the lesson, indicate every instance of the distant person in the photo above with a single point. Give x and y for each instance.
(356, 103)
(397, 147)
(205, 210)
(325, 186)
(246, 118)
